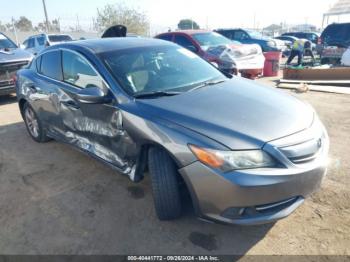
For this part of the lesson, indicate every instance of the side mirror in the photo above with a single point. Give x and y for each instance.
(92, 95)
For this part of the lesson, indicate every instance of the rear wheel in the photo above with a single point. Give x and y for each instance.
(34, 125)
(165, 184)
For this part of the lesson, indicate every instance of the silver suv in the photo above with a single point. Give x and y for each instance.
(37, 43)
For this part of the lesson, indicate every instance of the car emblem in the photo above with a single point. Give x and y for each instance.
(319, 143)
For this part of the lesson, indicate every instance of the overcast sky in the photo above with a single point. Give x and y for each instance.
(167, 13)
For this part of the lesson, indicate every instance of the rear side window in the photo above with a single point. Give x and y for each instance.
(41, 40)
(60, 38)
(38, 63)
(168, 37)
(335, 34)
(51, 65)
(77, 71)
(228, 33)
(31, 43)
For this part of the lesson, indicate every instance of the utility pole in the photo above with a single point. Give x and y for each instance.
(46, 18)
(14, 30)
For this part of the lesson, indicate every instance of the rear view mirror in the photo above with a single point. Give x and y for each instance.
(92, 95)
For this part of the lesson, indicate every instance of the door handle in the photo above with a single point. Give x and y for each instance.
(70, 104)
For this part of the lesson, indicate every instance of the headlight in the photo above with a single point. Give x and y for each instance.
(233, 160)
(271, 44)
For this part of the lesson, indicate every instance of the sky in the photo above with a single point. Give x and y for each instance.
(164, 14)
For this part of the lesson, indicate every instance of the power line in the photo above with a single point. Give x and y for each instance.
(46, 17)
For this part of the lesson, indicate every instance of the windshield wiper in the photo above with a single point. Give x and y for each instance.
(207, 83)
(156, 94)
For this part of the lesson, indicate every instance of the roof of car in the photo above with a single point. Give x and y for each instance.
(188, 32)
(226, 29)
(101, 45)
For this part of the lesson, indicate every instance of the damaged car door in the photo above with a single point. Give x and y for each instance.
(89, 118)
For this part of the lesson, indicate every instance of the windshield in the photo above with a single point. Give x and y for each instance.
(159, 69)
(211, 39)
(60, 38)
(255, 34)
(6, 43)
(337, 34)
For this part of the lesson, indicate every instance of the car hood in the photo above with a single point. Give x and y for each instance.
(238, 113)
(13, 55)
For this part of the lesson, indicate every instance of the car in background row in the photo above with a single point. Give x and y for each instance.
(253, 37)
(229, 56)
(247, 154)
(335, 40)
(12, 58)
(288, 40)
(313, 37)
(35, 44)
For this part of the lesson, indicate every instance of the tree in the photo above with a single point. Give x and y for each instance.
(54, 26)
(186, 24)
(41, 27)
(24, 24)
(135, 20)
(2, 27)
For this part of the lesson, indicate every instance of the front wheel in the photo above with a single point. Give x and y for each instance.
(165, 184)
(34, 125)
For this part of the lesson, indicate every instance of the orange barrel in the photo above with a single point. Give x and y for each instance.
(272, 63)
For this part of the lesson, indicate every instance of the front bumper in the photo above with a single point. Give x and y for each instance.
(7, 87)
(259, 196)
(237, 197)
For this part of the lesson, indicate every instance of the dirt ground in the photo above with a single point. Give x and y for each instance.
(56, 200)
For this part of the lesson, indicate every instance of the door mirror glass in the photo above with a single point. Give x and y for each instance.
(92, 95)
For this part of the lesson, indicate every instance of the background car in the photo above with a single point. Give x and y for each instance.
(288, 40)
(37, 43)
(252, 37)
(245, 59)
(12, 58)
(335, 40)
(313, 37)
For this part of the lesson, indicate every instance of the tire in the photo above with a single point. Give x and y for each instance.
(165, 185)
(31, 119)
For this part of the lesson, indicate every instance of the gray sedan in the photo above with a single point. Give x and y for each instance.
(247, 154)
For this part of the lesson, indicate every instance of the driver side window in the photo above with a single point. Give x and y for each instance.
(78, 72)
(240, 35)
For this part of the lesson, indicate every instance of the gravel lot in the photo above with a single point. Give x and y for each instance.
(56, 200)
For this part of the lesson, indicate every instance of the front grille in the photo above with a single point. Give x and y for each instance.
(13, 65)
(303, 152)
(6, 83)
(9, 69)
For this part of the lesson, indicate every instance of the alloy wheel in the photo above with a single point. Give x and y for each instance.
(32, 122)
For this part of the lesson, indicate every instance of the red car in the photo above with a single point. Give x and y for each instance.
(228, 55)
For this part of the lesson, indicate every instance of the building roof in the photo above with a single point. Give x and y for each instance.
(341, 7)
